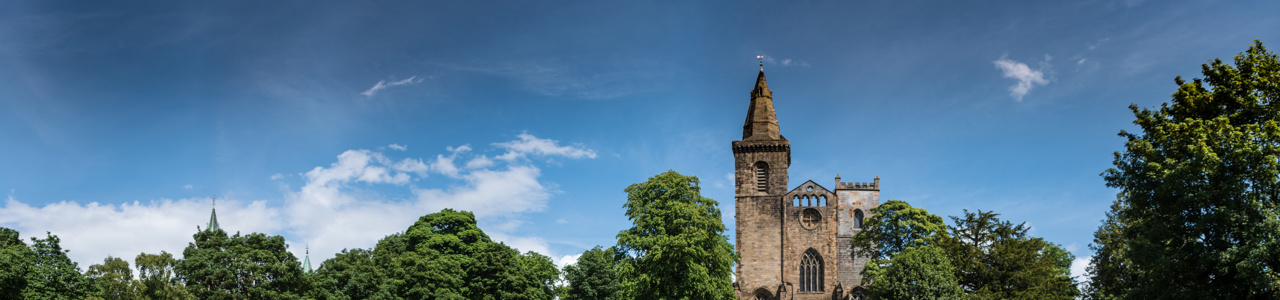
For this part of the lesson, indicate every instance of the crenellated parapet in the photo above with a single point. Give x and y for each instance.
(868, 186)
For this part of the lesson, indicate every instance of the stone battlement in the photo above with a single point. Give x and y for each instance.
(871, 186)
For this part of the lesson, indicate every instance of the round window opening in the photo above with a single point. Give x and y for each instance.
(810, 218)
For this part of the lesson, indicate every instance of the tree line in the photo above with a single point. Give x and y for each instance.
(1197, 216)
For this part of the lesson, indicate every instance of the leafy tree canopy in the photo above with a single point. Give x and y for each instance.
(895, 226)
(53, 275)
(996, 259)
(677, 248)
(256, 266)
(157, 278)
(443, 255)
(15, 264)
(1198, 213)
(922, 272)
(114, 279)
(594, 276)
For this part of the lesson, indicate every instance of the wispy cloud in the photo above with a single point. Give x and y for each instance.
(383, 84)
(529, 144)
(398, 147)
(558, 78)
(188, 187)
(785, 62)
(1026, 77)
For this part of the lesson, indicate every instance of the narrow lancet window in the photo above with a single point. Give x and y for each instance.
(857, 218)
(762, 177)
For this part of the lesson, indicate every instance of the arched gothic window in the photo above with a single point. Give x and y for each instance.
(762, 294)
(811, 272)
(857, 218)
(762, 177)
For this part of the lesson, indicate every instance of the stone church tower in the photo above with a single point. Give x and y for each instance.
(794, 243)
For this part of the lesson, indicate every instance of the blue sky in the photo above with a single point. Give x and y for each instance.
(335, 124)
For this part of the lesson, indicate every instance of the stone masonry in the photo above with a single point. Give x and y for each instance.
(777, 226)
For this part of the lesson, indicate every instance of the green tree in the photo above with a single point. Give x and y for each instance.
(443, 255)
(53, 275)
(995, 259)
(895, 226)
(15, 264)
(114, 279)
(1198, 213)
(676, 248)
(256, 266)
(157, 278)
(594, 276)
(921, 272)
(351, 274)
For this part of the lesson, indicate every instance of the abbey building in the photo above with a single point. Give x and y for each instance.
(794, 242)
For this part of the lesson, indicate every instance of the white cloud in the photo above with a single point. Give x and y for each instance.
(398, 147)
(93, 231)
(562, 221)
(188, 187)
(529, 144)
(1026, 77)
(566, 260)
(330, 213)
(1078, 267)
(480, 162)
(383, 84)
(351, 203)
(277, 176)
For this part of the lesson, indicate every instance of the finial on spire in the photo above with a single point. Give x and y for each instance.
(761, 58)
(215, 200)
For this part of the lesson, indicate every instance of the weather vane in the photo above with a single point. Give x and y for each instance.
(761, 58)
(215, 200)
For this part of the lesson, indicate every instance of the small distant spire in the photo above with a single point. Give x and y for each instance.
(213, 215)
(306, 261)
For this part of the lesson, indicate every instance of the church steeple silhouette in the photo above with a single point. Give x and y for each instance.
(213, 215)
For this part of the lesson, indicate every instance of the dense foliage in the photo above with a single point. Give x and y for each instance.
(114, 279)
(594, 276)
(1198, 213)
(677, 248)
(895, 226)
(921, 272)
(53, 275)
(442, 256)
(980, 257)
(217, 266)
(995, 259)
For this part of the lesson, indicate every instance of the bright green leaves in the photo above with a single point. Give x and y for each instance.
(216, 266)
(918, 272)
(443, 255)
(594, 276)
(52, 274)
(677, 248)
(1198, 215)
(893, 227)
(114, 279)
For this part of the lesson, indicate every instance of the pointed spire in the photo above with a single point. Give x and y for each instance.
(306, 261)
(762, 122)
(213, 216)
